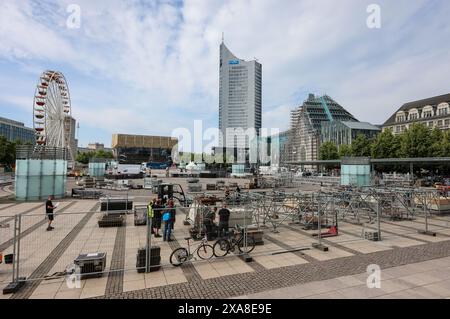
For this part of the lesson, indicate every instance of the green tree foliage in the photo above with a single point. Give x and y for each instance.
(103, 154)
(345, 151)
(85, 157)
(361, 146)
(445, 145)
(8, 151)
(328, 151)
(416, 142)
(386, 145)
(436, 140)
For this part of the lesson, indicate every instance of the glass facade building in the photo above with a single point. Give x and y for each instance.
(16, 131)
(306, 126)
(343, 133)
(240, 100)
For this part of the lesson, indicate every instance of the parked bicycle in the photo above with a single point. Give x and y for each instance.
(181, 255)
(224, 246)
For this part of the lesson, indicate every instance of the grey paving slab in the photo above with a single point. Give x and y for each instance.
(263, 281)
(48, 263)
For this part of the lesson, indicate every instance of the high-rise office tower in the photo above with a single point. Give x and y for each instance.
(239, 98)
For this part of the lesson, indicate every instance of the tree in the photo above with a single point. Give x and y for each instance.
(345, 151)
(385, 145)
(416, 141)
(8, 151)
(445, 145)
(83, 157)
(328, 151)
(436, 140)
(361, 146)
(103, 154)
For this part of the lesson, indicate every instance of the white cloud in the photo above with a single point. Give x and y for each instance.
(157, 57)
(278, 118)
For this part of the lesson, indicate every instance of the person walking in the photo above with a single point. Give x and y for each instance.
(157, 217)
(151, 212)
(224, 217)
(169, 220)
(208, 222)
(238, 194)
(227, 193)
(49, 212)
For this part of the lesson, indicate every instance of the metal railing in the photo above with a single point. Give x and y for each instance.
(25, 152)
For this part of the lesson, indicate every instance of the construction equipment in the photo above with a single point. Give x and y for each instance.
(332, 232)
(168, 191)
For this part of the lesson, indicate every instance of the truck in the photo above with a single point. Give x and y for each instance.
(128, 169)
(153, 165)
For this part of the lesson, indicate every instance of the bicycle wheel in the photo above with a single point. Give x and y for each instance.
(205, 252)
(250, 245)
(179, 256)
(221, 248)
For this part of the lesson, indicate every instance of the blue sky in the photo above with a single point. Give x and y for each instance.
(148, 67)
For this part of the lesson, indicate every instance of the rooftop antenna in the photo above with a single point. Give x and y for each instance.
(223, 37)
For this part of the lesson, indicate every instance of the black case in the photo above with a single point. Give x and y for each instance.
(111, 221)
(155, 259)
(91, 265)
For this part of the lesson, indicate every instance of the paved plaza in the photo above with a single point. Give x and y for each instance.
(412, 265)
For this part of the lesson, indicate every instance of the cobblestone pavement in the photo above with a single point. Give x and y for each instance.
(188, 268)
(263, 280)
(115, 277)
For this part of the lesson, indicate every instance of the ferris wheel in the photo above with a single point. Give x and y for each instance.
(52, 119)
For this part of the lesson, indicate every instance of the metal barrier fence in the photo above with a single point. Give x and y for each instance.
(41, 254)
(124, 236)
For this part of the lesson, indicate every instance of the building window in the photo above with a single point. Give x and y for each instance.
(428, 114)
(397, 129)
(439, 123)
(430, 124)
(400, 118)
(443, 111)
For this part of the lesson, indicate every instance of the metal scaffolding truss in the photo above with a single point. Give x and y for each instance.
(363, 206)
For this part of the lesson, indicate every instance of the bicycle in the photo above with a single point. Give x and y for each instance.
(181, 255)
(223, 246)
